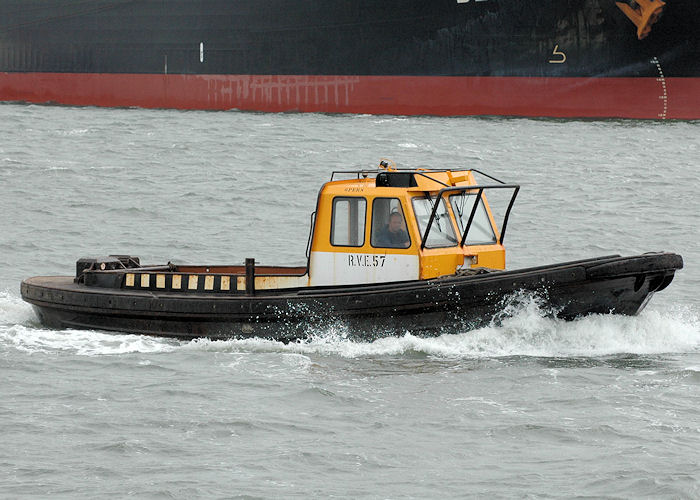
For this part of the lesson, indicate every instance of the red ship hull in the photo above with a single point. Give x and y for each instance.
(646, 98)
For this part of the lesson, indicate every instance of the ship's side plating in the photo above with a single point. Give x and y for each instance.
(578, 58)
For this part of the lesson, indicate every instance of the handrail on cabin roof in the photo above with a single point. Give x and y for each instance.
(421, 171)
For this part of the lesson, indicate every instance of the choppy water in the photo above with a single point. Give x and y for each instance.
(601, 407)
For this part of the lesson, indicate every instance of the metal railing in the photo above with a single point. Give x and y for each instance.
(480, 190)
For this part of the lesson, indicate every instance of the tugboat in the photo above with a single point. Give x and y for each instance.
(390, 251)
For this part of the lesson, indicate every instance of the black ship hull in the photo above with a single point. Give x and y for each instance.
(618, 285)
(447, 57)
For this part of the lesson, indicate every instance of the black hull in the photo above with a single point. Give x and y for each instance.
(336, 37)
(618, 285)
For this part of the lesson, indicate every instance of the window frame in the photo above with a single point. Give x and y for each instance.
(333, 212)
(405, 221)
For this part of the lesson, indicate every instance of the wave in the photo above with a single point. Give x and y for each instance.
(13, 310)
(81, 342)
(529, 330)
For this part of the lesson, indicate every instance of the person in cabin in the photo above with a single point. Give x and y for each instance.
(393, 234)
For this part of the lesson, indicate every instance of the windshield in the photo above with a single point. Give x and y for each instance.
(442, 233)
(480, 231)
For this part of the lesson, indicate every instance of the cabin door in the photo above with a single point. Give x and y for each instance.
(369, 243)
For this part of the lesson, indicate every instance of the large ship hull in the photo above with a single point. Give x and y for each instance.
(446, 57)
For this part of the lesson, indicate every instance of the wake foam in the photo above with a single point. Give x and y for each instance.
(81, 342)
(531, 331)
(13, 310)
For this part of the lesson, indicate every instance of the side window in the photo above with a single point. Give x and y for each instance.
(348, 222)
(389, 224)
(442, 234)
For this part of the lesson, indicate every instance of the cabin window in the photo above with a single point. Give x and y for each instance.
(480, 231)
(389, 224)
(442, 234)
(348, 224)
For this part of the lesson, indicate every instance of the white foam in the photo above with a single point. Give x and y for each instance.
(13, 310)
(74, 132)
(81, 342)
(529, 332)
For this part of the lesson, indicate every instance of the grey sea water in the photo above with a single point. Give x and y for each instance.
(603, 407)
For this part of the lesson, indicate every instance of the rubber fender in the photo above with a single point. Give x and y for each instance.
(640, 264)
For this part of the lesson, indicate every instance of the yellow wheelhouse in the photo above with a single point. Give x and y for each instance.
(400, 225)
